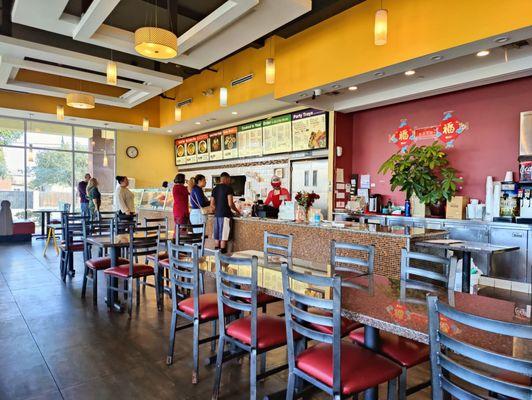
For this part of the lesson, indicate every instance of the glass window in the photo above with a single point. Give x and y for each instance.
(94, 139)
(48, 135)
(11, 132)
(12, 179)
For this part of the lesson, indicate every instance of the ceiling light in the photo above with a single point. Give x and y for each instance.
(80, 100)
(31, 156)
(353, 88)
(60, 113)
(169, 131)
(381, 27)
(223, 97)
(483, 53)
(336, 86)
(153, 42)
(410, 72)
(436, 58)
(234, 113)
(197, 123)
(380, 73)
(177, 113)
(270, 71)
(105, 162)
(502, 39)
(145, 124)
(111, 72)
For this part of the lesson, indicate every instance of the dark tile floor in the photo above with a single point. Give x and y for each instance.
(53, 345)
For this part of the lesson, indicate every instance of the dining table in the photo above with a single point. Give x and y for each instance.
(45, 214)
(386, 304)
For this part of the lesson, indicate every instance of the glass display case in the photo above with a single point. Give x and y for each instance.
(154, 199)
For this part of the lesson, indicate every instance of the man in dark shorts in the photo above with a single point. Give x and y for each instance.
(223, 206)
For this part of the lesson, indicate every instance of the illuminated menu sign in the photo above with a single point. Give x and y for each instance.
(191, 150)
(202, 148)
(180, 151)
(309, 130)
(215, 146)
(277, 135)
(230, 143)
(250, 139)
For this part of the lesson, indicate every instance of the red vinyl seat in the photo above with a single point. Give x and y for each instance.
(100, 263)
(346, 325)
(271, 331)
(73, 247)
(361, 368)
(208, 307)
(263, 299)
(139, 270)
(403, 351)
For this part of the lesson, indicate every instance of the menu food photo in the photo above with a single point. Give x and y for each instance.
(250, 139)
(215, 146)
(277, 135)
(180, 152)
(230, 143)
(309, 130)
(191, 150)
(202, 148)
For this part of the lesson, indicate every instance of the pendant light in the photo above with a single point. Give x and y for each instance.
(177, 113)
(223, 92)
(155, 42)
(31, 156)
(112, 73)
(105, 162)
(60, 112)
(80, 100)
(270, 67)
(145, 124)
(381, 26)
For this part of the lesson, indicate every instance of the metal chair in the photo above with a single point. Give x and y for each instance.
(418, 273)
(444, 367)
(72, 233)
(53, 226)
(197, 308)
(254, 334)
(139, 246)
(277, 246)
(98, 228)
(339, 368)
(343, 259)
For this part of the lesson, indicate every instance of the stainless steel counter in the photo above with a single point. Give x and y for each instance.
(516, 266)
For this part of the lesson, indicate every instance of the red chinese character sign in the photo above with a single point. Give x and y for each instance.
(449, 129)
(403, 136)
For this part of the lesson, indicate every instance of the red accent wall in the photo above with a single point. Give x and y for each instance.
(489, 147)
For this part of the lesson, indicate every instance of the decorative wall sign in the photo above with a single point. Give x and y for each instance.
(447, 131)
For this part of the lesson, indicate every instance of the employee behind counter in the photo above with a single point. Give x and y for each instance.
(276, 196)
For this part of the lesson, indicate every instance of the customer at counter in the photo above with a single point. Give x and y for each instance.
(199, 203)
(125, 199)
(277, 195)
(180, 193)
(223, 205)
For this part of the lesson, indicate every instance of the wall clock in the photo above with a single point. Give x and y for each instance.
(132, 152)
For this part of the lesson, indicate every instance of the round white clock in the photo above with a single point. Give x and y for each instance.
(132, 152)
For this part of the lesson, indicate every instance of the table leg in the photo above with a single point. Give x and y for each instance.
(42, 223)
(466, 272)
(371, 341)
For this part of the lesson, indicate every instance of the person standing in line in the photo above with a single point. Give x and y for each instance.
(180, 193)
(125, 199)
(198, 200)
(223, 206)
(95, 198)
(82, 193)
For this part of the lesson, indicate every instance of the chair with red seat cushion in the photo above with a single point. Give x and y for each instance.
(72, 232)
(346, 325)
(338, 368)
(254, 335)
(141, 244)
(198, 308)
(449, 372)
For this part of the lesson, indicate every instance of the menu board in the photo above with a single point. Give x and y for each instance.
(230, 143)
(250, 139)
(277, 135)
(180, 151)
(202, 147)
(309, 130)
(215, 146)
(191, 150)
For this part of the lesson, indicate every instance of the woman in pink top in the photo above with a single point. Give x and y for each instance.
(180, 193)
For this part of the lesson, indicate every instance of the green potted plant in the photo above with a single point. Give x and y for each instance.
(425, 172)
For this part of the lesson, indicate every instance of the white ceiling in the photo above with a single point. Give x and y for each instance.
(230, 27)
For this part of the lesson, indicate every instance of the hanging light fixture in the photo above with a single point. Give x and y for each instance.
(155, 42)
(381, 26)
(112, 74)
(145, 124)
(270, 71)
(31, 156)
(177, 113)
(80, 100)
(223, 96)
(105, 162)
(60, 112)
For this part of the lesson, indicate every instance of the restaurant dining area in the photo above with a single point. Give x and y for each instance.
(265, 199)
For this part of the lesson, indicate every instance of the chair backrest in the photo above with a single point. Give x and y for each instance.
(72, 225)
(419, 271)
(236, 290)
(123, 223)
(299, 318)
(277, 245)
(191, 234)
(349, 257)
(63, 207)
(106, 215)
(184, 273)
(142, 242)
(444, 367)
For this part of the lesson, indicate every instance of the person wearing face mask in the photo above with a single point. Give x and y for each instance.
(277, 195)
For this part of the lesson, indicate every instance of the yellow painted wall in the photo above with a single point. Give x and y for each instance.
(342, 46)
(155, 162)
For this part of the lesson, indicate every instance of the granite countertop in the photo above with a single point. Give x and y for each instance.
(372, 229)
